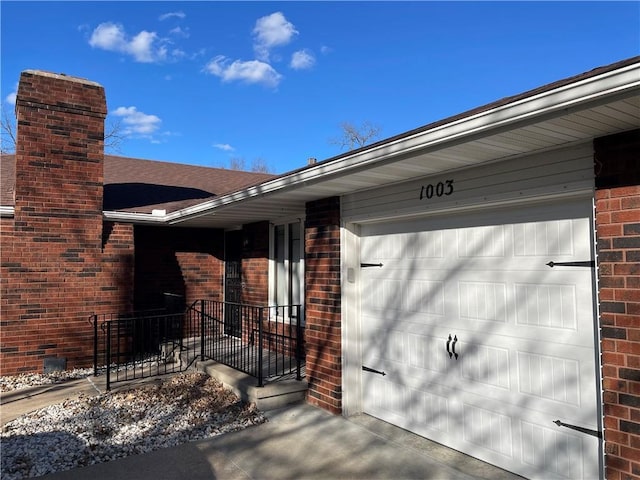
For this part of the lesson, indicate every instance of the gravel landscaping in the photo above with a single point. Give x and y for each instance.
(25, 380)
(89, 430)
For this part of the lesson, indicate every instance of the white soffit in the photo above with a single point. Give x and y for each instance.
(577, 112)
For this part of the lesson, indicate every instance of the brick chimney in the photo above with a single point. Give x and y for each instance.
(51, 285)
(59, 148)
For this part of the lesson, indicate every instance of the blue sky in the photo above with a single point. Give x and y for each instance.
(206, 82)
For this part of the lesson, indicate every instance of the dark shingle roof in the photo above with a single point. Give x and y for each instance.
(135, 185)
(7, 180)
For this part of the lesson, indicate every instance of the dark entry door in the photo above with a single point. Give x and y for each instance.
(233, 283)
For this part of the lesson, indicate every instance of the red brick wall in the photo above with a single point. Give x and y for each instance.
(182, 261)
(323, 306)
(116, 276)
(255, 263)
(617, 168)
(52, 260)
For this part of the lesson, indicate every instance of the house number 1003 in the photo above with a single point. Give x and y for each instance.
(440, 189)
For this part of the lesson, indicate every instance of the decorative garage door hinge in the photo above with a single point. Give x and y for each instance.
(588, 263)
(588, 431)
(367, 265)
(367, 369)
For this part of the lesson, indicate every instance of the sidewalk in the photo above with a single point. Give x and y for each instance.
(298, 442)
(18, 402)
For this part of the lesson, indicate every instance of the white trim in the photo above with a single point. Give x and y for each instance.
(272, 297)
(597, 337)
(138, 218)
(115, 216)
(350, 324)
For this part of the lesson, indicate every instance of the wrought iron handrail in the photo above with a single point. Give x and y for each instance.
(262, 341)
(141, 344)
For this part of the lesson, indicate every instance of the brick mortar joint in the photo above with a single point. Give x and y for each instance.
(88, 111)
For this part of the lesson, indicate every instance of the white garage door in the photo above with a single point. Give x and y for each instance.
(483, 345)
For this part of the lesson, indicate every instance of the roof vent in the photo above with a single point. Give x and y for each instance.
(312, 161)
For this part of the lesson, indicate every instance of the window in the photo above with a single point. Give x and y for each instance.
(287, 269)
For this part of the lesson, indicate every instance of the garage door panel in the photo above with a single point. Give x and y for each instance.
(482, 300)
(479, 242)
(513, 371)
(425, 409)
(523, 299)
(520, 241)
(560, 383)
(486, 366)
(524, 336)
(385, 347)
(560, 453)
(542, 449)
(427, 352)
(547, 451)
(551, 305)
(489, 430)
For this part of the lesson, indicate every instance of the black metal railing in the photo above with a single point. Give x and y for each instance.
(142, 344)
(264, 342)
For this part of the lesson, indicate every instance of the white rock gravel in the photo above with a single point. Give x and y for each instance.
(24, 380)
(90, 430)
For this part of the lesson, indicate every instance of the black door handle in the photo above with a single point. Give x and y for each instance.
(453, 347)
(448, 343)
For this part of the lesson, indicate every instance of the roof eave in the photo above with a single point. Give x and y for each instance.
(547, 104)
(136, 218)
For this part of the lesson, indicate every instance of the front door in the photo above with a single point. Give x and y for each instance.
(233, 283)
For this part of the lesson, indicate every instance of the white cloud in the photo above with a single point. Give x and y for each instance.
(178, 53)
(145, 47)
(252, 71)
(141, 47)
(179, 32)
(272, 31)
(108, 36)
(11, 98)
(172, 14)
(224, 147)
(137, 123)
(302, 60)
(325, 50)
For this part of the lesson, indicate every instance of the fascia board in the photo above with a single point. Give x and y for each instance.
(114, 216)
(137, 218)
(127, 217)
(528, 110)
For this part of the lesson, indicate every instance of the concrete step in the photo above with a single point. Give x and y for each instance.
(273, 395)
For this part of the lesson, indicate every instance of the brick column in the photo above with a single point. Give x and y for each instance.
(255, 263)
(323, 304)
(50, 272)
(617, 169)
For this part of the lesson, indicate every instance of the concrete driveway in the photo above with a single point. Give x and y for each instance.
(300, 442)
